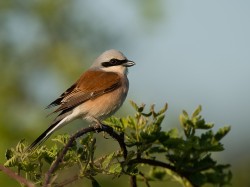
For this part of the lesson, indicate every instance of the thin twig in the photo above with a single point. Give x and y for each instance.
(118, 137)
(152, 163)
(18, 178)
(145, 179)
(133, 182)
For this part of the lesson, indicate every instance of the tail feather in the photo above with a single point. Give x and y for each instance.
(44, 136)
(61, 120)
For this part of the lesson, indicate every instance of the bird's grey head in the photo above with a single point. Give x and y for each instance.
(112, 61)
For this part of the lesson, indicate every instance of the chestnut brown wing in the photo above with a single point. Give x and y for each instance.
(90, 85)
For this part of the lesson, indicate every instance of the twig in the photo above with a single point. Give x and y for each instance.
(18, 178)
(96, 128)
(152, 163)
(117, 137)
(145, 179)
(133, 181)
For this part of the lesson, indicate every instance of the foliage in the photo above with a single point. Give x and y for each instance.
(186, 157)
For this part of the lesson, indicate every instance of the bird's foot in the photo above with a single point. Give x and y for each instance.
(99, 126)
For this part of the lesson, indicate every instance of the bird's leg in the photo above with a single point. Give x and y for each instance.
(99, 126)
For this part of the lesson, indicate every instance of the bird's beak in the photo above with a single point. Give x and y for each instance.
(129, 63)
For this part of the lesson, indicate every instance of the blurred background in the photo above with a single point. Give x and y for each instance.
(186, 52)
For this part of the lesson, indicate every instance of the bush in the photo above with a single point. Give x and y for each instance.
(185, 156)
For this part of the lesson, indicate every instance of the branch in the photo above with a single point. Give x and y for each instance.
(152, 163)
(96, 128)
(160, 164)
(18, 178)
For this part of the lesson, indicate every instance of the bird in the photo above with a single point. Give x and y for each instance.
(96, 95)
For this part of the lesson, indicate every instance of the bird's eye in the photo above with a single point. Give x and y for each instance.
(113, 61)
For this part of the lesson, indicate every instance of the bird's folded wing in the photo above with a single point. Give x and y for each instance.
(90, 85)
(59, 99)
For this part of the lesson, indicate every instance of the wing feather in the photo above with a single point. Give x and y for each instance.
(91, 84)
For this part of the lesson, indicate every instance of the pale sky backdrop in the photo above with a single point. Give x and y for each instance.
(194, 52)
(197, 53)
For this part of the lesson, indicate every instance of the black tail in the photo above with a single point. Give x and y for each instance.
(43, 137)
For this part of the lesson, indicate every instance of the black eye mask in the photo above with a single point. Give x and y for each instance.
(114, 62)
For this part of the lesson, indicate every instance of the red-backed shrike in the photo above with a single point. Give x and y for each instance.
(96, 95)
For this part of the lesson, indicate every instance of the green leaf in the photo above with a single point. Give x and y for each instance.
(201, 124)
(141, 108)
(157, 173)
(108, 158)
(12, 162)
(159, 119)
(197, 111)
(163, 110)
(20, 146)
(184, 112)
(157, 149)
(62, 139)
(131, 122)
(115, 168)
(183, 121)
(198, 179)
(130, 155)
(174, 143)
(221, 133)
(87, 139)
(9, 154)
(119, 124)
(134, 105)
(204, 163)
